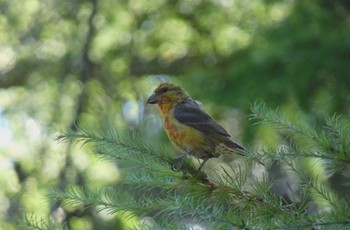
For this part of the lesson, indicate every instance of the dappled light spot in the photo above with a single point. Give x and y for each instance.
(7, 59)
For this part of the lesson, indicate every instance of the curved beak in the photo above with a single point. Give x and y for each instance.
(152, 99)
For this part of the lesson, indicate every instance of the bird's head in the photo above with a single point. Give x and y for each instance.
(167, 93)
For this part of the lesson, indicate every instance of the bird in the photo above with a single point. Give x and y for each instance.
(191, 129)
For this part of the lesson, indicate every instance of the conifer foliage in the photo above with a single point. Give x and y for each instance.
(164, 198)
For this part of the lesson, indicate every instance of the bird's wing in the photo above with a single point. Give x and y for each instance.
(190, 113)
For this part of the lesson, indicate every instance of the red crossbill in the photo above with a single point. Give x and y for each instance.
(189, 127)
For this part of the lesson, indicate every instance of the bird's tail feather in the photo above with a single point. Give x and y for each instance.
(238, 149)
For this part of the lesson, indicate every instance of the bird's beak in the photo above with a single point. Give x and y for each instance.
(152, 99)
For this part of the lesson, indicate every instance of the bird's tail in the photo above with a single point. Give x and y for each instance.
(238, 149)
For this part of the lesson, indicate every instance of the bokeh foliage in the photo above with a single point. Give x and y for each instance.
(88, 62)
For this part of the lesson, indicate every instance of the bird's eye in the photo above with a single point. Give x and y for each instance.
(163, 90)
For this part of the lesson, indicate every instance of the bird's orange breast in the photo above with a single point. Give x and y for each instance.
(174, 131)
(184, 137)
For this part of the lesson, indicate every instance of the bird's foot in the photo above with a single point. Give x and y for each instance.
(179, 161)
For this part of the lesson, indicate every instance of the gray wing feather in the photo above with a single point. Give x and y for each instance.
(190, 113)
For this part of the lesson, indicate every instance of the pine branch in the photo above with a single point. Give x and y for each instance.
(152, 172)
(110, 144)
(315, 225)
(287, 156)
(115, 200)
(32, 223)
(337, 205)
(151, 188)
(331, 144)
(262, 114)
(104, 199)
(339, 130)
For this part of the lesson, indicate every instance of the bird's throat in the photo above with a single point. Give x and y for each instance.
(165, 108)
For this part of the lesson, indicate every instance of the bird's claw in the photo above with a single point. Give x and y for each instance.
(177, 166)
(179, 161)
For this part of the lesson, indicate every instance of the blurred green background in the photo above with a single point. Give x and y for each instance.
(67, 62)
